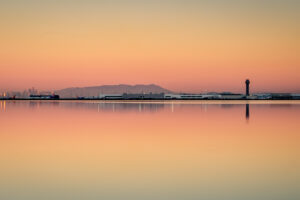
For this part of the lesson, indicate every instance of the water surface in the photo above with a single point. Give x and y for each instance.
(149, 150)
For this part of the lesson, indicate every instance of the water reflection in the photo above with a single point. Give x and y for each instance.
(139, 107)
(151, 107)
(247, 111)
(149, 150)
(2, 105)
(143, 107)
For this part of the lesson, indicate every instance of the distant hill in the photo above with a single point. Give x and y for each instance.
(109, 89)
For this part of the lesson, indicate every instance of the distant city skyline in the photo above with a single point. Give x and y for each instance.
(154, 88)
(182, 45)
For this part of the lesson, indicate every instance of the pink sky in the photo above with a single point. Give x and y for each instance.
(190, 47)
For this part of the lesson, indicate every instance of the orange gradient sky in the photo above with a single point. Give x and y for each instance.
(191, 46)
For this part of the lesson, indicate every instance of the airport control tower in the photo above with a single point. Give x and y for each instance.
(247, 87)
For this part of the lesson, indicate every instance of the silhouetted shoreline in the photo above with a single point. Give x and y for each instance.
(97, 99)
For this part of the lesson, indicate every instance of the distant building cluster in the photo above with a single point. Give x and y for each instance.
(31, 93)
(163, 96)
(34, 94)
(53, 96)
(209, 96)
(130, 96)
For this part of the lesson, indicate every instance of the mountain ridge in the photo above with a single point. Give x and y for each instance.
(110, 89)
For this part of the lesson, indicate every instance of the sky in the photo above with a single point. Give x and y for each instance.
(182, 45)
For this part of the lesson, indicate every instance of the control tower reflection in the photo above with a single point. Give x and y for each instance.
(247, 111)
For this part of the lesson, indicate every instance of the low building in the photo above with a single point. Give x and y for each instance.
(282, 96)
(232, 96)
(192, 96)
(295, 96)
(263, 96)
(137, 96)
(41, 96)
(143, 96)
(111, 96)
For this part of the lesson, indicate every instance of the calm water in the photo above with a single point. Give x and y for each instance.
(149, 150)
